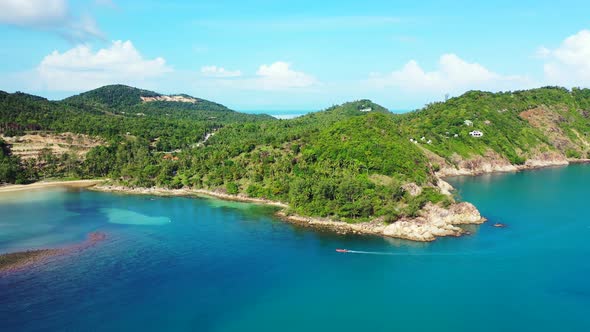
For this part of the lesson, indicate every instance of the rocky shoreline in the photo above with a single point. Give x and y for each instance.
(492, 163)
(433, 221)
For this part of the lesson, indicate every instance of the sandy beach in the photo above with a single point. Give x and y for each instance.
(157, 191)
(49, 184)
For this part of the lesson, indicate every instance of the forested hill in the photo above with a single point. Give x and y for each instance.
(115, 96)
(112, 112)
(354, 162)
(516, 126)
(124, 99)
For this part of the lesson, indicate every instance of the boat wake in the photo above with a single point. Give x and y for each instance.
(376, 253)
(385, 253)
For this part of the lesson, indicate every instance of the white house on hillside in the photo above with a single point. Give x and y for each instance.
(476, 133)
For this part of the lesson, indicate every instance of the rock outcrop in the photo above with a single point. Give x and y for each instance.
(434, 221)
(492, 162)
(545, 159)
(180, 99)
(412, 189)
(549, 122)
(489, 163)
(445, 187)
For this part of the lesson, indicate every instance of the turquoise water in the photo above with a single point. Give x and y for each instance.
(182, 264)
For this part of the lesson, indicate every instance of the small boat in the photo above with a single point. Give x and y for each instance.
(499, 225)
(341, 250)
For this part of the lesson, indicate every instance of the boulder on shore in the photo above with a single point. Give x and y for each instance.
(435, 221)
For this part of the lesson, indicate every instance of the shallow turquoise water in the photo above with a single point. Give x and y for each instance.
(183, 264)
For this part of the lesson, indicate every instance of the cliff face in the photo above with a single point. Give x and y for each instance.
(491, 162)
(545, 159)
(488, 163)
(549, 122)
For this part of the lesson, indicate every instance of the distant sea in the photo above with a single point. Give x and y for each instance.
(185, 264)
(280, 114)
(290, 114)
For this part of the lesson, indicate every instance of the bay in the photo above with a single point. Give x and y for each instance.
(187, 264)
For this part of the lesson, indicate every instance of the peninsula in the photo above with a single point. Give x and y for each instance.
(354, 167)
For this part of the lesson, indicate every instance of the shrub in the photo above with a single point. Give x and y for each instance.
(232, 188)
(571, 153)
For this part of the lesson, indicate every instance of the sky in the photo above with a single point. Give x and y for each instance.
(294, 55)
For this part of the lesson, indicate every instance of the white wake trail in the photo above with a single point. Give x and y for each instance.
(403, 253)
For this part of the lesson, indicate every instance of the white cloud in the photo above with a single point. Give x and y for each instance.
(81, 69)
(280, 76)
(33, 12)
(51, 15)
(569, 64)
(453, 75)
(214, 71)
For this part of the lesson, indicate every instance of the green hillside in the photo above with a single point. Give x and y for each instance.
(113, 112)
(111, 96)
(349, 162)
(516, 125)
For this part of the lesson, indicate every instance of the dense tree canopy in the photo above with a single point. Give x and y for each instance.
(348, 161)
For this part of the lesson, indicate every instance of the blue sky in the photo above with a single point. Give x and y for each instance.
(272, 55)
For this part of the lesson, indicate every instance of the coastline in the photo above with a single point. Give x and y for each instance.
(433, 221)
(157, 191)
(49, 184)
(491, 167)
(579, 161)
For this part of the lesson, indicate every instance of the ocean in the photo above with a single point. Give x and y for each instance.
(291, 114)
(189, 264)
